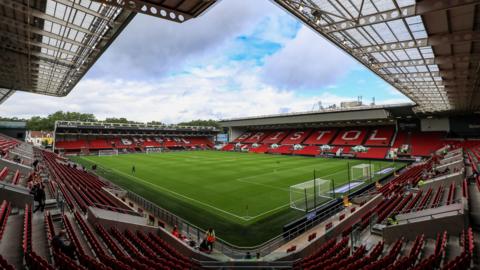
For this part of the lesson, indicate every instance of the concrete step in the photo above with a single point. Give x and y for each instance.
(476, 251)
(428, 248)
(453, 248)
(39, 235)
(474, 199)
(81, 237)
(11, 243)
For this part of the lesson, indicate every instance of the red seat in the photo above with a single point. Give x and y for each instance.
(352, 136)
(320, 137)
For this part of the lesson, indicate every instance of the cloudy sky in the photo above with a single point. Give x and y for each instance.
(241, 58)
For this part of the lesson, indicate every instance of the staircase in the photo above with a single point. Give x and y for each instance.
(10, 246)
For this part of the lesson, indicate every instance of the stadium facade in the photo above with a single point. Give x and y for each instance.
(83, 137)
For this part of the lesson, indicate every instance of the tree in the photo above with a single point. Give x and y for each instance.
(48, 123)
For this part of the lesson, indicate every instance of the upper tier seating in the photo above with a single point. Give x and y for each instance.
(322, 136)
(275, 137)
(380, 136)
(257, 137)
(425, 143)
(296, 137)
(352, 136)
(243, 137)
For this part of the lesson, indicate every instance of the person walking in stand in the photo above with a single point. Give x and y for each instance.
(39, 196)
(210, 237)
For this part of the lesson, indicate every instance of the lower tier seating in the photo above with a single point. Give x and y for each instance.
(373, 152)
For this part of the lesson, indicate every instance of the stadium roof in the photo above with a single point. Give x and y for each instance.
(429, 50)
(48, 45)
(360, 115)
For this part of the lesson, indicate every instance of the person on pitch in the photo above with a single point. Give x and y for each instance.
(133, 169)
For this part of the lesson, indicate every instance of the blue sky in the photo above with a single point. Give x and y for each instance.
(241, 58)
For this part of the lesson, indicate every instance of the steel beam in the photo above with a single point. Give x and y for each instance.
(31, 11)
(428, 6)
(149, 8)
(35, 30)
(432, 40)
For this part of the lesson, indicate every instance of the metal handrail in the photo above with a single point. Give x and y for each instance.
(432, 206)
(227, 248)
(222, 245)
(116, 209)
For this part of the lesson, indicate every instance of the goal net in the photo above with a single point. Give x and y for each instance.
(150, 150)
(111, 152)
(362, 171)
(310, 194)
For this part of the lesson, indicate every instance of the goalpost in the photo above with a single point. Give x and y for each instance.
(364, 171)
(111, 152)
(308, 195)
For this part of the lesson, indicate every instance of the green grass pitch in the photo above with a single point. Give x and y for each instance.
(244, 196)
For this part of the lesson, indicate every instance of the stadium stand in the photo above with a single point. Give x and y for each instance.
(282, 149)
(373, 153)
(257, 137)
(259, 149)
(320, 137)
(309, 150)
(425, 143)
(350, 137)
(296, 137)
(380, 136)
(275, 137)
(422, 216)
(423, 187)
(242, 137)
(70, 137)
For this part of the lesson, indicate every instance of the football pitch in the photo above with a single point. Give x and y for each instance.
(235, 193)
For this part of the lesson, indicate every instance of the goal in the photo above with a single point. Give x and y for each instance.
(150, 150)
(111, 152)
(310, 194)
(362, 171)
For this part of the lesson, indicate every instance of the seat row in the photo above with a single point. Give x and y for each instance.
(80, 186)
(5, 209)
(335, 255)
(32, 260)
(381, 136)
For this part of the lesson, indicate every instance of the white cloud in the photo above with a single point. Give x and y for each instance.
(152, 47)
(159, 70)
(307, 61)
(205, 93)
